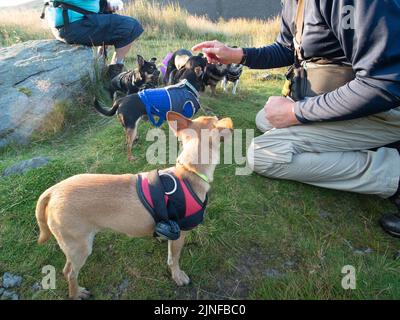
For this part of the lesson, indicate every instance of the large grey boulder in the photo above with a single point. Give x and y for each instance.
(34, 77)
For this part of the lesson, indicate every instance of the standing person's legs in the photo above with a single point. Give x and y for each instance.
(120, 53)
(332, 155)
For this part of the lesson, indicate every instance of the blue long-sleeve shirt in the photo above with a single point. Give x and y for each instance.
(364, 33)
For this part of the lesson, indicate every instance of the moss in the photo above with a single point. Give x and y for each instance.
(25, 91)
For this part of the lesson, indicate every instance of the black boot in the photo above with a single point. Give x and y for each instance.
(391, 222)
(113, 70)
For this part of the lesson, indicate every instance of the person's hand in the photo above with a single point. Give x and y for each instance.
(114, 5)
(217, 52)
(280, 112)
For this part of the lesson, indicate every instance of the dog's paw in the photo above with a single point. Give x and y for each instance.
(180, 278)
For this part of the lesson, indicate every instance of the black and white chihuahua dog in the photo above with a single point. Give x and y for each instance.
(222, 72)
(145, 76)
(233, 75)
(153, 104)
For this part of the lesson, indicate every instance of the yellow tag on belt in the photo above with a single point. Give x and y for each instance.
(286, 88)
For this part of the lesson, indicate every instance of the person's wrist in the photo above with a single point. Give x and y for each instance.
(237, 56)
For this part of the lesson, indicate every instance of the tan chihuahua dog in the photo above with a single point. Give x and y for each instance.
(75, 209)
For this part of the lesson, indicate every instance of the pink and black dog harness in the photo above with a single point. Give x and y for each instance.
(168, 197)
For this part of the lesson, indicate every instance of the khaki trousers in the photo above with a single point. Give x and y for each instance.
(332, 155)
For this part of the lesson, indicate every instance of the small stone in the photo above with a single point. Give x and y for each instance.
(26, 165)
(324, 214)
(11, 281)
(36, 287)
(363, 251)
(9, 295)
(289, 264)
(124, 285)
(272, 273)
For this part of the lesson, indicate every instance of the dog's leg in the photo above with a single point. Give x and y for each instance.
(76, 249)
(213, 90)
(67, 269)
(131, 138)
(174, 253)
(235, 86)
(224, 83)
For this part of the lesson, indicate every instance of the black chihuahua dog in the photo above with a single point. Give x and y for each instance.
(154, 104)
(176, 63)
(145, 76)
(214, 73)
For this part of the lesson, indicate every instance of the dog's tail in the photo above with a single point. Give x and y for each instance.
(41, 216)
(104, 111)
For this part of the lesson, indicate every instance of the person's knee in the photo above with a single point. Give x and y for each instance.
(261, 121)
(127, 30)
(269, 157)
(134, 28)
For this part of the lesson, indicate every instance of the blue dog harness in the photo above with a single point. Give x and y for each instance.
(182, 98)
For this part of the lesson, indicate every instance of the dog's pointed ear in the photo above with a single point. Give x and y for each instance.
(225, 123)
(200, 54)
(154, 59)
(225, 128)
(177, 122)
(198, 71)
(140, 60)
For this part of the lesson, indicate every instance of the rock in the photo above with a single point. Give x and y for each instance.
(36, 287)
(26, 165)
(124, 285)
(11, 281)
(363, 251)
(397, 255)
(324, 214)
(289, 264)
(359, 251)
(272, 273)
(9, 295)
(35, 77)
(1, 291)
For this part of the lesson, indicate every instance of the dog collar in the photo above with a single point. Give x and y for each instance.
(202, 176)
(191, 87)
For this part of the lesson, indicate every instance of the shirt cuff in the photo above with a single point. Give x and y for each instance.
(298, 113)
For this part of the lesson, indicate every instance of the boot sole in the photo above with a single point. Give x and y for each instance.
(393, 234)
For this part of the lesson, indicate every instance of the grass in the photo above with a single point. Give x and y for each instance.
(262, 238)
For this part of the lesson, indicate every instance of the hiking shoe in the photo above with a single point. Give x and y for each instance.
(390, 223)
(114, 69)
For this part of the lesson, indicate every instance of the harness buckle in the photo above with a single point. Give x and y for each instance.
(173, 179)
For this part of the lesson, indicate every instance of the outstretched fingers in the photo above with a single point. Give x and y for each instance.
(204, 45)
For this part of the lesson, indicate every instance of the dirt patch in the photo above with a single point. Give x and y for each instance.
(251, 266)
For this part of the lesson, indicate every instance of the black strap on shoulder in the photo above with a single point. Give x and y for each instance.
(299, 29)
(157, 194)
(68, 6)
(176, 200)
(65, 7)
